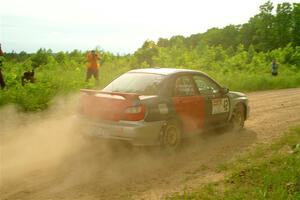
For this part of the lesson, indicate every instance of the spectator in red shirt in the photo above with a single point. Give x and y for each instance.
(93, 66)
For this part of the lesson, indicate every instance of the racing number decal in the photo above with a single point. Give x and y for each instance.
(220, 105)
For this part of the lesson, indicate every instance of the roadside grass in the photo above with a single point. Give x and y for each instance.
(272, 171)
(246, 82)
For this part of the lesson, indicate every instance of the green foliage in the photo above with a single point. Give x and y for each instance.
(296, 24)
(40, 58)
(57, 74)
(63, 73)
(145, 54)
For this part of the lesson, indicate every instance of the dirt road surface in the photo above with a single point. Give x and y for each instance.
(42, 157)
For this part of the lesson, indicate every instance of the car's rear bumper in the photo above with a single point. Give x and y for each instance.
(138, 133)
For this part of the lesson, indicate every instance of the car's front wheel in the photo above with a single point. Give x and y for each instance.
(238, 118)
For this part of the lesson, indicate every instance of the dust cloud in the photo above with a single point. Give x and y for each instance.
(30, 142)
(38, 149)
(44, 155)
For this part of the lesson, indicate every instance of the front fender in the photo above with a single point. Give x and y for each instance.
(238, 99)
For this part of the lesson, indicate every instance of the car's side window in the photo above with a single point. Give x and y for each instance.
(205, 85)
(184, 86)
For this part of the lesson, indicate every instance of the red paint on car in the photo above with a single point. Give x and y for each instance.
(191, 111)
(111, 106)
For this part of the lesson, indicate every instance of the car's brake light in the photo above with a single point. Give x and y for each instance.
(134, 113)
(133, 110)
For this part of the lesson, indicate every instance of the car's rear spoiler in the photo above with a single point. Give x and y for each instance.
(127, 96)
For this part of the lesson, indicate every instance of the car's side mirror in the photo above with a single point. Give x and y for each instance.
(224, 90)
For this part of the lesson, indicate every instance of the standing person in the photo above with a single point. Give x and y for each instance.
(274, 68)
(2, 83)
(93, 66)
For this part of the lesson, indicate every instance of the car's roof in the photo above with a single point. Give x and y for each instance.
(165, 71)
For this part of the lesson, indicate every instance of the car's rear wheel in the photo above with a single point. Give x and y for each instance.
(171, 138)
(238, 118)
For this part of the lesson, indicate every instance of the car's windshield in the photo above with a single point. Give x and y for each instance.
(133, 82)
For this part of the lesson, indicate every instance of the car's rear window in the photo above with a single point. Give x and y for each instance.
(132, 82)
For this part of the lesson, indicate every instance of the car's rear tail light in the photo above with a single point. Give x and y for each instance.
(134, 113)
(133, 110)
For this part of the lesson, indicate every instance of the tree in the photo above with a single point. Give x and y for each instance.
(296, 24)
(177, 41)
(230, 36)
(163, 42)
(60, 57)
(40, 58)
(263, 39)
(146, 53)
(283, 25)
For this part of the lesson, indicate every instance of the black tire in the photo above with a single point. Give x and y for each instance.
(238, 118)
(171, 138)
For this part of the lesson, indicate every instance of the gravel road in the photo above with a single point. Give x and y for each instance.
(42, 157)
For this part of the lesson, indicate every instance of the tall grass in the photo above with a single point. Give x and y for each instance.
(245, 81)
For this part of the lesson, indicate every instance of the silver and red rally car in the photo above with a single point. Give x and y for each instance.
(161, 106)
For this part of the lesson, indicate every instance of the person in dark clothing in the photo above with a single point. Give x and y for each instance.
(28, 77)
(274, 68)
(2, 83)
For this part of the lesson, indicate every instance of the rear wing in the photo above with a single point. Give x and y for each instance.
(127, 96)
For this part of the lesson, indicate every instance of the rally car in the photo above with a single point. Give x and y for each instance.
(160, 106)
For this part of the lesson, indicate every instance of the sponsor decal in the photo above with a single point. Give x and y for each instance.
(163, 108)
(220, 105)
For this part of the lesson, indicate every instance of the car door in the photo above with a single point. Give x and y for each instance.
(217, 104)
(189, 105)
